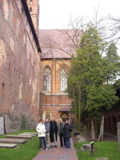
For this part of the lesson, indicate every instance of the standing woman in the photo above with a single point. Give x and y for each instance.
(41, 134)
(67, 133)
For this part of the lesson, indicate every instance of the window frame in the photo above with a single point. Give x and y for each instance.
(47, 79)
(63, 80)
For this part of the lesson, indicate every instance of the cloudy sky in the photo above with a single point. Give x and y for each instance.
(55, 14)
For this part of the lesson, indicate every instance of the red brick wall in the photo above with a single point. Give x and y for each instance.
(111, 120)
(54, 103)
(56, 99)
(19, 63)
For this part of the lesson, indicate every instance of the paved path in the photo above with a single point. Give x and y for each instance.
(57, 153)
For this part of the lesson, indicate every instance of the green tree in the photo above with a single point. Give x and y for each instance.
(86, 80)
(85, 68)
(112, 63)
(100, 99)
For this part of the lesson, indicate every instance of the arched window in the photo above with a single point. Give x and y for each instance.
(47, 79)
(63, 81)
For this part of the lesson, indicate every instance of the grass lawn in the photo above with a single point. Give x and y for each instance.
(107, 149)
(25, 151)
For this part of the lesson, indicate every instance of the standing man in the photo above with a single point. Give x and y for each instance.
(67, 133)
(61, 132)
(53, 132)
(47, 126)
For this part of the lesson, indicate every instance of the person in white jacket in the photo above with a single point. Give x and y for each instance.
(41, 134)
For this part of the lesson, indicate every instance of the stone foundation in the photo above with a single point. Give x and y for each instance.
(14, 123)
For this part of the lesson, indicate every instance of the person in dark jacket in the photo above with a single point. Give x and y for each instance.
(47, 126)
(61, 132)
(67, 133)
(53, 132)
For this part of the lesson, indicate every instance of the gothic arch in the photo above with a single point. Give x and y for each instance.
(65, 67)
(47, 114)
(63, 72)
(64, 116)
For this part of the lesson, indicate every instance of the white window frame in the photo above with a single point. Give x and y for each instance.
(47, 79)
(63, 80)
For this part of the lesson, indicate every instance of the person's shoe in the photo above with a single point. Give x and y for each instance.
(51, 146)
(41, 148)
(55, 145)
(46, 148)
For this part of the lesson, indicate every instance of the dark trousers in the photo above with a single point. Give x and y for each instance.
(42, 141)
(62, 140)
(67, 140)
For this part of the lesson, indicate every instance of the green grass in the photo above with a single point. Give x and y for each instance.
(107, 149)
(25, 151)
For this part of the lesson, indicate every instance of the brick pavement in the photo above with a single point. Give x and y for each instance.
(57, 153)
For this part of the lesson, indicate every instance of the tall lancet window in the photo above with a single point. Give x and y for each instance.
(63, 80)
(47, 79)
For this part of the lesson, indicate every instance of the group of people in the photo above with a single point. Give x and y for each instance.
(49, 130)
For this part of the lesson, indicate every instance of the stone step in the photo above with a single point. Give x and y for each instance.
(7, 145)
(29, 133)
(19, 136)
(11, 140)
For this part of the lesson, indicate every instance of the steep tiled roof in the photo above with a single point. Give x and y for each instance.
(59, 44)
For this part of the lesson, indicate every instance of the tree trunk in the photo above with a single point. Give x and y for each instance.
(92, 129)
(79, 110)
(75, 109)
(101, 129)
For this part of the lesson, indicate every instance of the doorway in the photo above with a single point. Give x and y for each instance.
(64, 116)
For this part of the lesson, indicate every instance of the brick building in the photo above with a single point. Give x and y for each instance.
(19, 65)
(111, 118)
(57, 48)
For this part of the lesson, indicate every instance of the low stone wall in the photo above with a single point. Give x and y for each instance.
(14, 123)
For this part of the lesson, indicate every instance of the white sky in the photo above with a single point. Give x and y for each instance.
(55, 14)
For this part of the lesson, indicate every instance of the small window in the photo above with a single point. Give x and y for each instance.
(3, 85)
(3, 58)
(31, 1)
(3, 89)
(30, 10)
(9, 65)
(11, 88)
